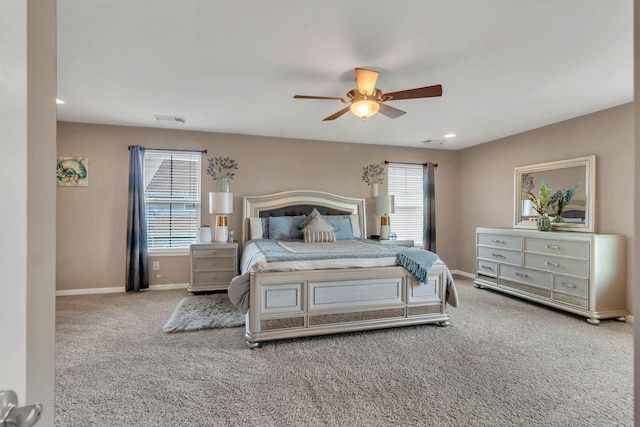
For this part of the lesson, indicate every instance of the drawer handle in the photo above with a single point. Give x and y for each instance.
(568, 285)
(552, 246)
(215, 276)
(498, 255)
(486, 267)
(554, 264)
(522, 275)
(214, 263)
(498, 241)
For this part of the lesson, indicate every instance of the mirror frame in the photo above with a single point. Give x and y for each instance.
(589, 162)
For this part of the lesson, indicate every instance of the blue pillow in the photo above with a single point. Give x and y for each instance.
(285, 227)
(341, 226)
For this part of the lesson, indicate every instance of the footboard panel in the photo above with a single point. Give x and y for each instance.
(318, 302)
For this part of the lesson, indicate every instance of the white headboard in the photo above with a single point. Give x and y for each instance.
(253, 205)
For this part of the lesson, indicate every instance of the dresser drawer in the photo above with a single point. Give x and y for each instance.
(558, 265)
(536, 278)
(570, 285)
(500, 241)
(205, 253)
(487, 268)
(500, 255)
(214, 263)
(211, 277)
(557, 247)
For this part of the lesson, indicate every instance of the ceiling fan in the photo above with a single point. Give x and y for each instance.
(367, 99)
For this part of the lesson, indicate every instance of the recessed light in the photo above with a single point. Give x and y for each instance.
(59, 101)
(449, 135)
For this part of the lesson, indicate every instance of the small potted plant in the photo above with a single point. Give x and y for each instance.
(373, 175)
(561, 198)
(221, 170)
(541, 204)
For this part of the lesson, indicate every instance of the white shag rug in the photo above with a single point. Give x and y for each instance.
(204, 312)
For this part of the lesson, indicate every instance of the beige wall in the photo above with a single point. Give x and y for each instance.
(474, 187)
(92, 220)
(487, 176)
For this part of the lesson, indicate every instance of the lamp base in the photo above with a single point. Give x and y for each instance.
(222, 234)
(384, 232)
(222, 231)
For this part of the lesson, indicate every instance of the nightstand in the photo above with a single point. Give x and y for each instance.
(213, 265)
(408, 243)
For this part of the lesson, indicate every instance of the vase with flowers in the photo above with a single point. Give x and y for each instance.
(541, 204)
(221, 170)
(560, 199)
(373, 175)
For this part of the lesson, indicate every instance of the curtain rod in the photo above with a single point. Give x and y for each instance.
(386, 162)
(171, 149)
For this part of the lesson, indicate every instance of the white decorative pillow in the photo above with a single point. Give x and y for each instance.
(318, 230)
(255, 228)
(355, 225)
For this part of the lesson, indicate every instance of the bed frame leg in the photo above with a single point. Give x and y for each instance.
(254, 345)
(444, 323)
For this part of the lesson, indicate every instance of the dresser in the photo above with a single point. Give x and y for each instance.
(581, 273)
(213, 265)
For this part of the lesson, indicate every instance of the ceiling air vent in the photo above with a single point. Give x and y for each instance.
(170, 120)
(433, 142)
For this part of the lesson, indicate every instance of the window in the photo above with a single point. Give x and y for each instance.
(171, 198)
(406, 184)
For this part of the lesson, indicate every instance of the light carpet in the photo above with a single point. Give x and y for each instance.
(502, 362)
(196, 312)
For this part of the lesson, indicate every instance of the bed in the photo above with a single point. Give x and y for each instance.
(291, 298)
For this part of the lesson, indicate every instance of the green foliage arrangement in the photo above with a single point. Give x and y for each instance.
(373, 174)
(222, 167)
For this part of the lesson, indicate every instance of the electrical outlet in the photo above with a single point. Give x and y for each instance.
(156, 265)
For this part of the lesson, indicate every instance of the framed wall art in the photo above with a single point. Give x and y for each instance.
(72, 172)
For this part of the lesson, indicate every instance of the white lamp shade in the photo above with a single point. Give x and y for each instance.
(385, 205)
(220, 203)
(527, 208)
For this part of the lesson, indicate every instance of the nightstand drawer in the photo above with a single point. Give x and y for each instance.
(212, 277)
(214, 263)
(205, 253)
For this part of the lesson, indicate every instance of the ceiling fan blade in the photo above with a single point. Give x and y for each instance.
(316, 97)
(392, 113)
(366, 80)
(421, 92)
(336, 115)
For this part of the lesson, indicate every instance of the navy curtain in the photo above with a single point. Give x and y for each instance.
(137, 252)
(429, 208)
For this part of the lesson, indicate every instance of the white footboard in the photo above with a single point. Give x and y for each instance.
(320, 302)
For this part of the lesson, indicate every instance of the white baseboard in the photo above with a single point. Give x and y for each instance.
(118, 289)
(463, 273)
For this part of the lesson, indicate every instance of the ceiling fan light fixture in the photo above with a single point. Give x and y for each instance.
(364, 108)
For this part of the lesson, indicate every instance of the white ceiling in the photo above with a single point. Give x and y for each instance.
(506, 66)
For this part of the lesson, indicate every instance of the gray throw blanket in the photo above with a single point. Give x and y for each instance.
(417, 262)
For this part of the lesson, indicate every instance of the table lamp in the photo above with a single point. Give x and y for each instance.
(221, 204)
(384, 206)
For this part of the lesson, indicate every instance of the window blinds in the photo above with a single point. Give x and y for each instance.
(172, 198)
(405, 182)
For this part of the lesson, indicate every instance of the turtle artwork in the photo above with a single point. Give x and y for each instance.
(72, 172)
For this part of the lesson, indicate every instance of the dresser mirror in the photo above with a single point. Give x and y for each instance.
(579, 213)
